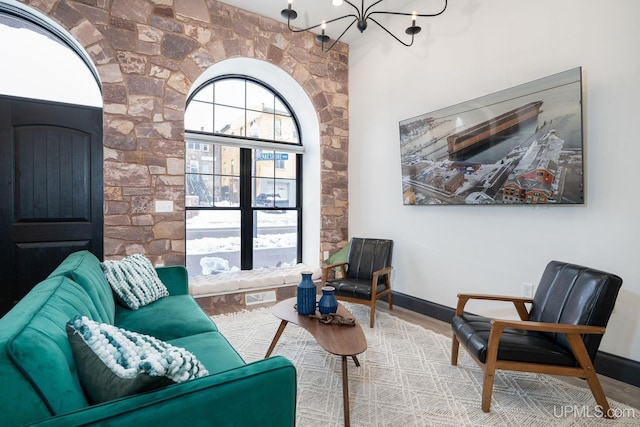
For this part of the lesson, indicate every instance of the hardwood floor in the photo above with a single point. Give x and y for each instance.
(616, 390)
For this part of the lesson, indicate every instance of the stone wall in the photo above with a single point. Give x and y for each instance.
(148, 53)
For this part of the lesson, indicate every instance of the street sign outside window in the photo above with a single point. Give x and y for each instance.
(273, 156)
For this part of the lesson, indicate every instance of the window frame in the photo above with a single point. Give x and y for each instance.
(247, 146)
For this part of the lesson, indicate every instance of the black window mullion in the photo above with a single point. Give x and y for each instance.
(246, 211)
(299, 202)
(246, 124)
(274, 117)
(213, 107)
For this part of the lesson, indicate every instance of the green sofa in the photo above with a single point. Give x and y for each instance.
(40, 384)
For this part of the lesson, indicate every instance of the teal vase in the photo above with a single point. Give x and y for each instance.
(306, 295)
(328, 302)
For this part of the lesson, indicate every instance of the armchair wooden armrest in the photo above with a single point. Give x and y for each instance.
(378, 273)
(547, 327)
(382, 272)
(327, 268)
(334, 265)
(518, 302)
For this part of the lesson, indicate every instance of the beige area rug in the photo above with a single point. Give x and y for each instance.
(406, 379)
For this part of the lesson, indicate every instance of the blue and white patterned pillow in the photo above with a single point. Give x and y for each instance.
(112, 362)
(134, 281)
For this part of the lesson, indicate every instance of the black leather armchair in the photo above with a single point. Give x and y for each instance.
(559, 335)
(366, 276)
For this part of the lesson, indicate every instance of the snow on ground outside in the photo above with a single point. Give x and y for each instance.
(230, 219)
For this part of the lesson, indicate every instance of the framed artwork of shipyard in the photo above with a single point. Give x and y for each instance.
(522, 145)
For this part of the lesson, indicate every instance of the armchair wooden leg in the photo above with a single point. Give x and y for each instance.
(598, 394)
(373, 312)
(487, 387)
(581, 355)
(390, 297)
(489, 367)
(455, 346)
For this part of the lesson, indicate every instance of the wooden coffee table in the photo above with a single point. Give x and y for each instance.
(336, 339)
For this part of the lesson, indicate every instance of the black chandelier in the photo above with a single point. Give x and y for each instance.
(361, 17)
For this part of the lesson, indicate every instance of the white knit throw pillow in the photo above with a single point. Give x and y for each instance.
(112, 362)
(134, 280)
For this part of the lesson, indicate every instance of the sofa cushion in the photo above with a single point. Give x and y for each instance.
(168, 318)
(84, 268)
(40, 348)
(113, 362)
(213, 350)
(134, 281)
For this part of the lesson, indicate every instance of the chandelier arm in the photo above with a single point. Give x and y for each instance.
(293, 30)
(423, 15)
(365, 12)
(341, 17)
(340, 36)
(360, 13)
(391, 34)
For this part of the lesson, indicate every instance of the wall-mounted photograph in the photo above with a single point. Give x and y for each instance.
(522, 145)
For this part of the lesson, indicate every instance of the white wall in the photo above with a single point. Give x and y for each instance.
(475, 48)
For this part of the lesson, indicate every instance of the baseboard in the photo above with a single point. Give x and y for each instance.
(428, 308)
(607, 364)
(618, 368)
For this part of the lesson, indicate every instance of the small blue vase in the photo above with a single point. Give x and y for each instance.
(328, 302)
(306, 295)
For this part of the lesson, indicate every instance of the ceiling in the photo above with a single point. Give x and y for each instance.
(312, 12)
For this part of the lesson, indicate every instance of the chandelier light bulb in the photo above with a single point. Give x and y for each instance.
(337, 2)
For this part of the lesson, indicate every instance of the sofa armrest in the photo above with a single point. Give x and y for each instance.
(261, 393)
(175, 278)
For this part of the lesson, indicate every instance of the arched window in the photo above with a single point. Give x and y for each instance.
(42, 61)
(243, 163)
